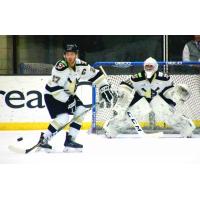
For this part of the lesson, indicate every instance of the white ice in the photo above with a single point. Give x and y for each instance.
(126, 168)
(125, 148)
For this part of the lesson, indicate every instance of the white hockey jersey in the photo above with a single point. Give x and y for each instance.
(64, 79)
(149, 88)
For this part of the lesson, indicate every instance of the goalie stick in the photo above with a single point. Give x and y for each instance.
(26, 151)
(139, 129)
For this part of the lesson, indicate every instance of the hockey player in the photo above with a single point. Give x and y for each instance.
(150, 90)
(61, 99)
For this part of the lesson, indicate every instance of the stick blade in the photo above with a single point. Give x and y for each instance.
(16, 149)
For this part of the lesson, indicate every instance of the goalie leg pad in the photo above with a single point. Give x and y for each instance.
(121, 121)
(125, 97)
(174, 119)
(115, 126)
(185, 126)
(110, 129)
(141, 107)
(181, 124)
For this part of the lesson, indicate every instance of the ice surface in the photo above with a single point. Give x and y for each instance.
(125, 148)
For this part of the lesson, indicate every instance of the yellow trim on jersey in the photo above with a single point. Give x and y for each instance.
(154, 77)
(147, 94)
(56, 124)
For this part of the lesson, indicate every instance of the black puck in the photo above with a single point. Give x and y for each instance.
(19, 139)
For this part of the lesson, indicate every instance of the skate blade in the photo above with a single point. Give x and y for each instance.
(72, 150)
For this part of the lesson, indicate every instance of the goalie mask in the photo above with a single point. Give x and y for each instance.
(150, 67)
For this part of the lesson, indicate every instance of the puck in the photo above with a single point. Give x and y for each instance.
(19, 139)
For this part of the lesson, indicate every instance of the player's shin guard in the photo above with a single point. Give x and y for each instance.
(56, 125)
(75, 126)
(74, 129)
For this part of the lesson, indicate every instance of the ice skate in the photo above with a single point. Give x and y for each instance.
(71, 146)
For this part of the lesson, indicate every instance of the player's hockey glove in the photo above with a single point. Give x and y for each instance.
(72, 104)
(106, 94)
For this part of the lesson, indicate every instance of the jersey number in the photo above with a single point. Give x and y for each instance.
(55, 79)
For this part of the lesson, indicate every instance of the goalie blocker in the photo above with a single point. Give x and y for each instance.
(149, 91)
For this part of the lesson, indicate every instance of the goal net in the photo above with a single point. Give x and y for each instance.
(180, 72)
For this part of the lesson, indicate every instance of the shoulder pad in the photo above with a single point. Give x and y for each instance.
(61, 65)
(138, 77)
(162, 76)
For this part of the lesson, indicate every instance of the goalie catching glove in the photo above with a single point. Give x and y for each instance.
(179, 93)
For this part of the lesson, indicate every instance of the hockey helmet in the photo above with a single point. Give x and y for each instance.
(71, 48)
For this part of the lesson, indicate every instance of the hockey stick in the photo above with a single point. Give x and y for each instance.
(22, 151)
(139, 129)
(26, 151)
